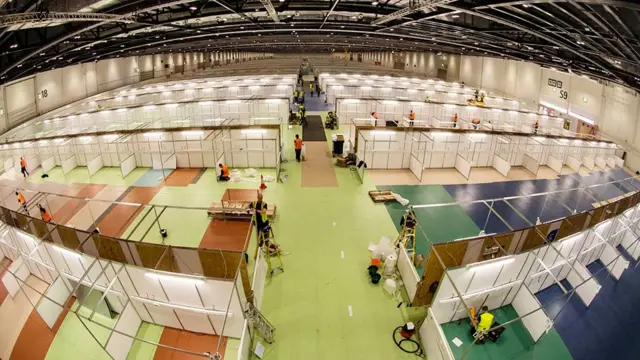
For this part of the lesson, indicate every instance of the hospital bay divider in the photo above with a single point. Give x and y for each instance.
(198, 290)
(510, 268)
(155, 116)
(437, 89)
(418, 149)
(441, 116)
(245, 146)
(232, 88)
(419, 94)
(165, 94)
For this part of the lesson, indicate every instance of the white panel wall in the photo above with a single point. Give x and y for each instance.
(493, 74)
(528, 83)
(74, 84)
(619, 113)
(552, 95)
(453, 68)
(91, 78)
(20, 94)
(585, 97)
(117, 72)
(469, 73)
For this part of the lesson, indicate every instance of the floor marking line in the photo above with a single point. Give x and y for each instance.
(342, 254)
(350, 311)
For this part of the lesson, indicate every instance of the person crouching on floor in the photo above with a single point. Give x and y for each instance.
(224, 173)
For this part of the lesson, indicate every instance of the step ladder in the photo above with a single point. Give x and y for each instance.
(270, 249)
(407, 238)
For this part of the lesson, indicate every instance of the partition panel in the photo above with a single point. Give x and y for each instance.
(554, 163)
(95, 164)
(127, 165)
(588, 162)
(69, 164)
(433, 339)
(531, 164)
(586, 290)
(118, 344)
(574, 163)
(501, 165)
(50, 306)
(48, 164)
(533, 316)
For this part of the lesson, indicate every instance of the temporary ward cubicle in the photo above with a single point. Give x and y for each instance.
(514, 280)
(117, 298)
(439, 115)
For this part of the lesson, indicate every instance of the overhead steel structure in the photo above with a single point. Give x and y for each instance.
(598, 38)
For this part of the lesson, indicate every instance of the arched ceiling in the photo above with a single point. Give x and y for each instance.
(598, 38)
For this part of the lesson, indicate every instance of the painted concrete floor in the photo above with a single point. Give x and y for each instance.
(325, 227)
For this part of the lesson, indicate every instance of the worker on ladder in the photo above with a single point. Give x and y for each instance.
(266, 239)
(407, 235)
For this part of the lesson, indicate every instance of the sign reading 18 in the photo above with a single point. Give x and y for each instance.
(564, 94)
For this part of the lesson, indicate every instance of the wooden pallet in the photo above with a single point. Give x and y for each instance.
(381, 196)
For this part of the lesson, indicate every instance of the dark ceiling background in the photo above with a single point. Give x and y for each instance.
(599, 38)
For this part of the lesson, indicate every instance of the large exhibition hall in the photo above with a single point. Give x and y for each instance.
(319, 179)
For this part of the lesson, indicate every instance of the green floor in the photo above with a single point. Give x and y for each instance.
(439, 224)
(141, 350)
(309, 303)
(74, 341)
(106, 175)
(515, 342)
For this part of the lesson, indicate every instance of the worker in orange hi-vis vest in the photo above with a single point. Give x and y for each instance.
(22, 201)
(45, 214)
(23, 167)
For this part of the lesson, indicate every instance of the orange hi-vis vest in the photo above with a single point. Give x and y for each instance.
(46, 217)
(23, 163)
(412, 116)
(298, 144)
(225, 170)
(21, 199)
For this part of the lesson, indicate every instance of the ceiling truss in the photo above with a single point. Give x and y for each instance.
(598, 38)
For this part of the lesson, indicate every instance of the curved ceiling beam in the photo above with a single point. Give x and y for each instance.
(534, 33)
(46, 18)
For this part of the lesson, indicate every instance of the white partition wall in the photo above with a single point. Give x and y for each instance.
(442, 115)
(190, 302)
(255, 148)
(574, 163)
(501, 165)
(537, 322)
(408, 273)
(588, 161)
(127, 165)
(15, 276)
(554, 163)
(434, 342)
(48, 164)
(118, 344)
(69, 164)
(95, 164)
(515, 279)
(531, 164)
(48, 307)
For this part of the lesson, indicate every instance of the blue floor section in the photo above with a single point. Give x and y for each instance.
(607, 328)
(313, 103)
(152, 178)
(547, 207)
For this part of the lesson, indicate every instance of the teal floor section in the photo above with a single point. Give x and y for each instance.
(437, 224)
(515, 342)
(152, 177)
